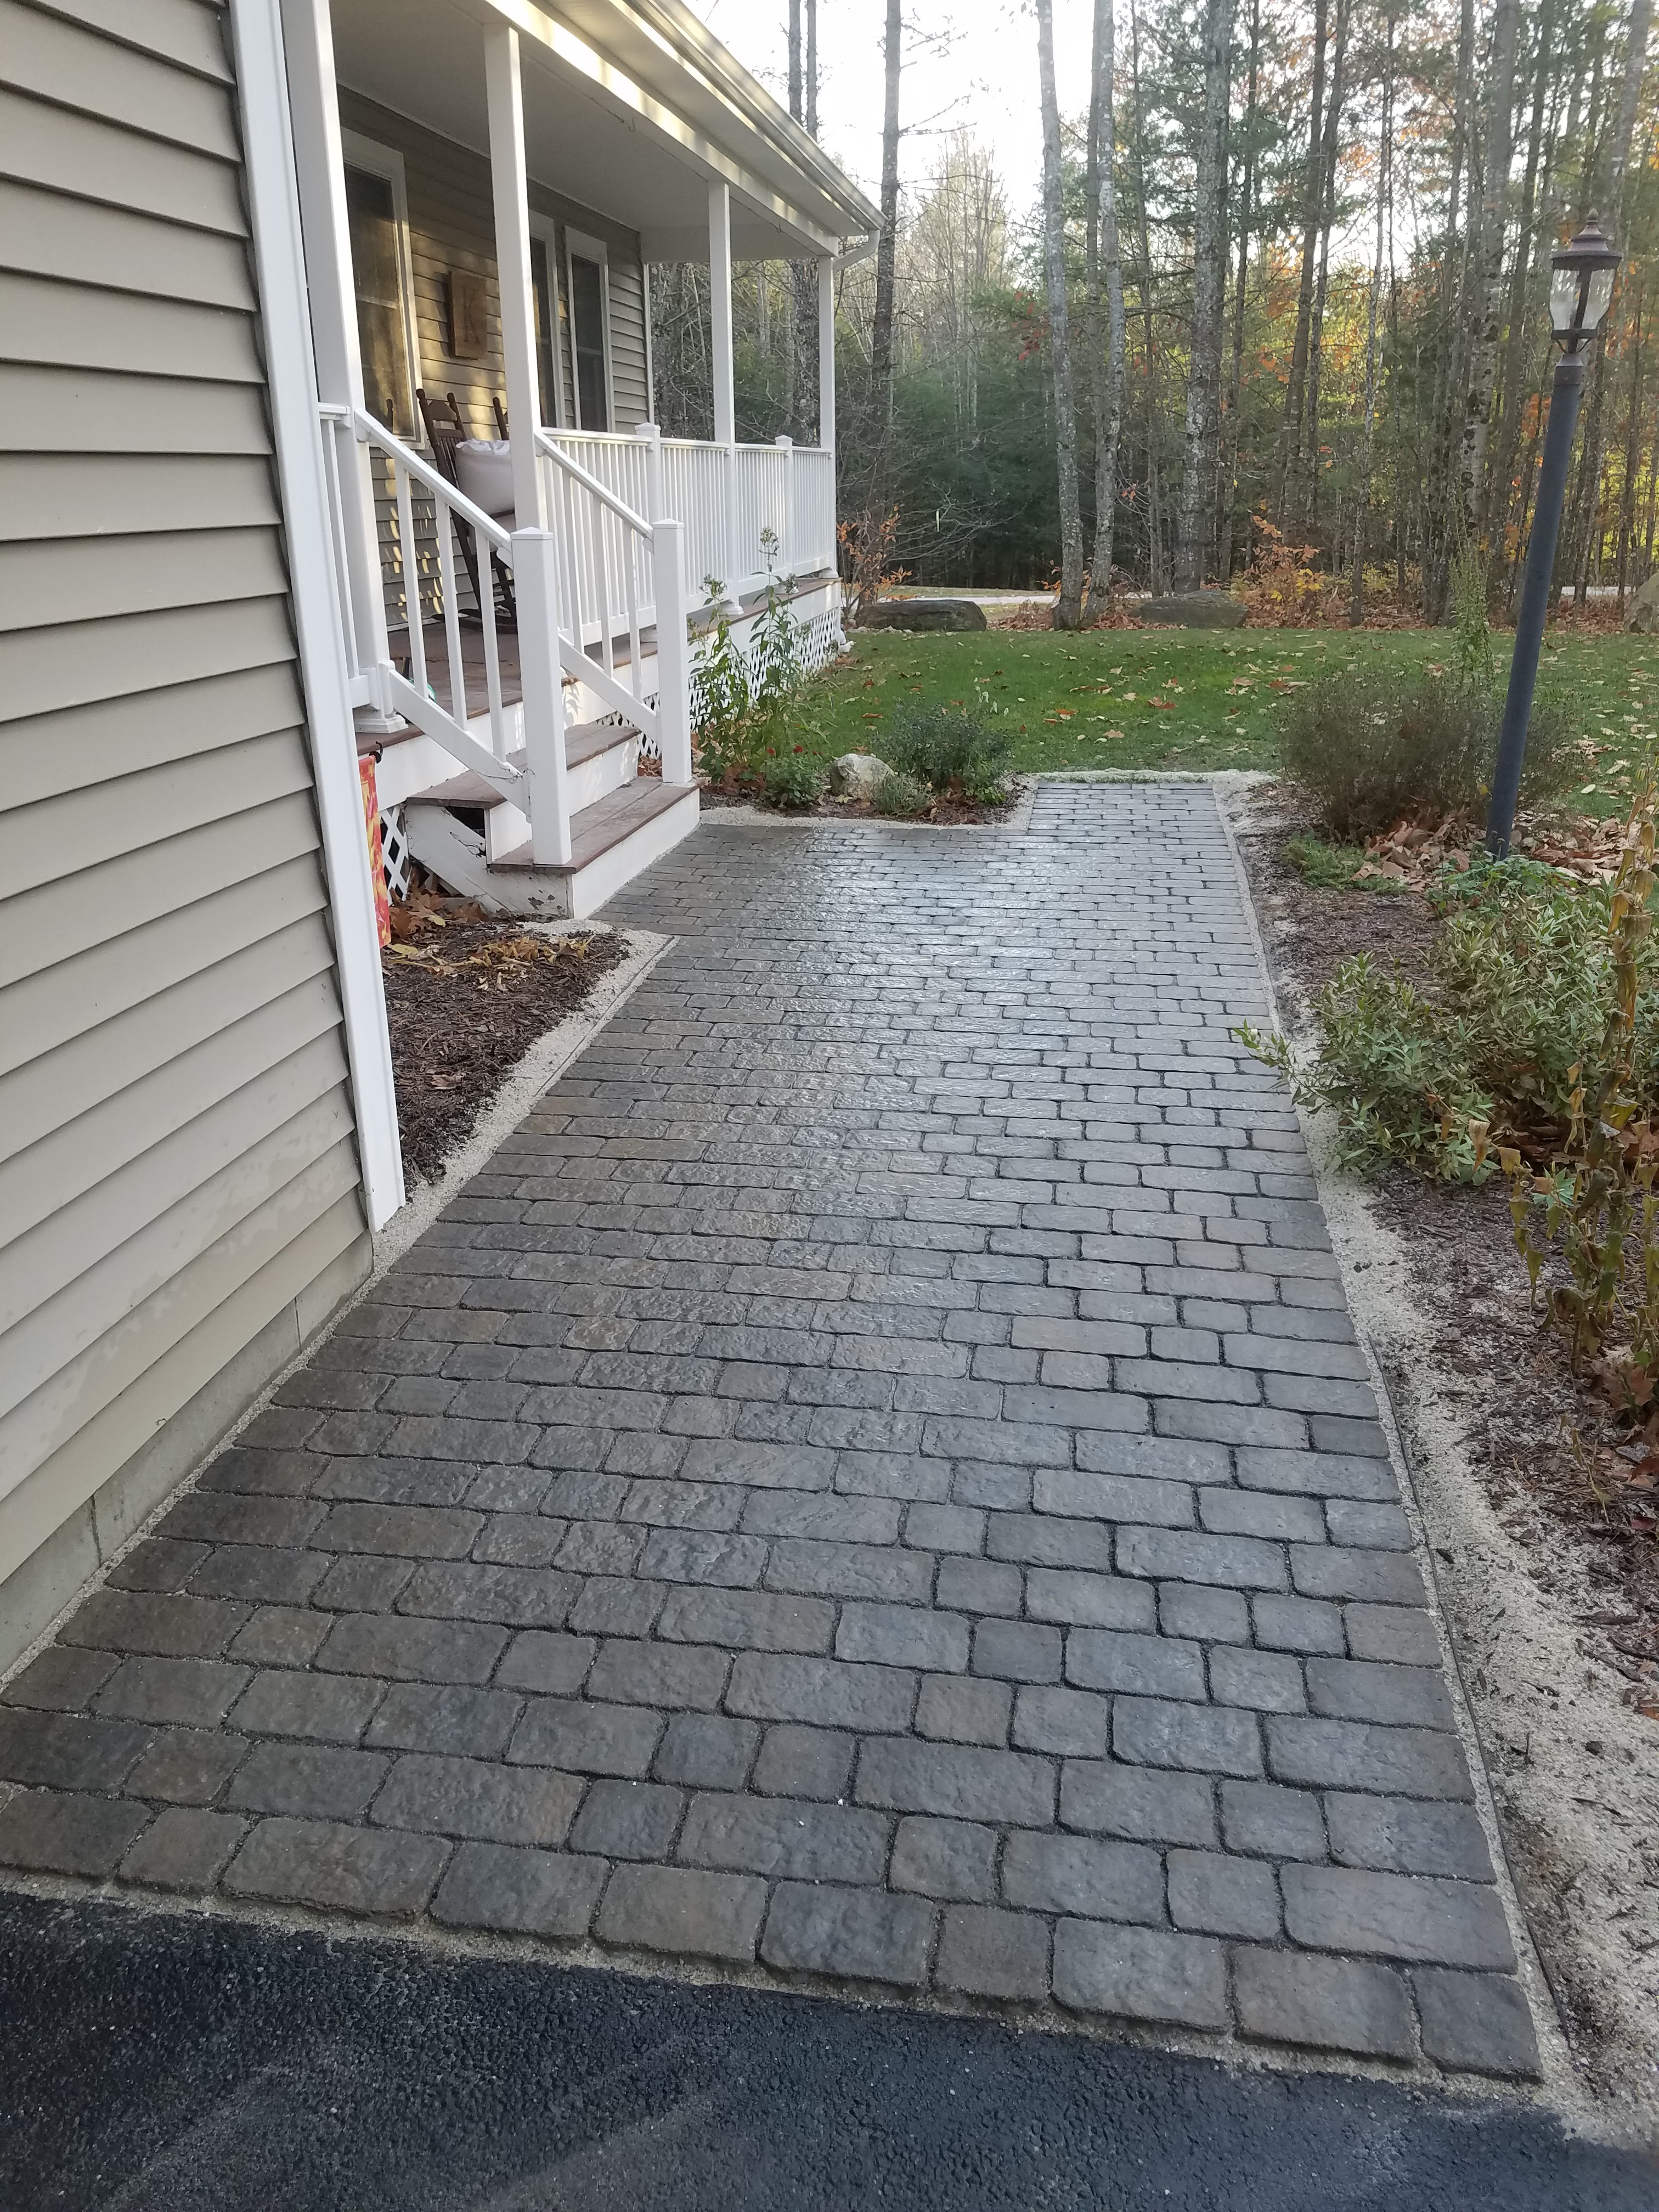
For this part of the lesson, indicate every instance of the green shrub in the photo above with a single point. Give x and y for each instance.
(901, 797)
(954, 750)
(1372, 753)
(1510, 1023)
(791, 781)
(722, 695)
(776, 662)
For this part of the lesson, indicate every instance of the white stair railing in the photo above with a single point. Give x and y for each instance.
(601, 575)
(618, 575)
(413, 695)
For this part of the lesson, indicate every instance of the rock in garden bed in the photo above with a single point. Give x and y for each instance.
(466, 998)
(923, 614)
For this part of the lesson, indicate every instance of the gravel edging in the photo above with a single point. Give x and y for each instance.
(1572, 1882)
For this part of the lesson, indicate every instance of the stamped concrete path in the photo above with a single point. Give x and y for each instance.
(876, 1482)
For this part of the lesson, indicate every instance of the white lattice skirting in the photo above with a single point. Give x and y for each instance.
(394, 852)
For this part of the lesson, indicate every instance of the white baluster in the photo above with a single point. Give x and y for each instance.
(786, 535)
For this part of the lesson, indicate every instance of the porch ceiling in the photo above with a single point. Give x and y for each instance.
(622, 108)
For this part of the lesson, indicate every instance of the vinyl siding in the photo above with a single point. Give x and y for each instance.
(451, 225)
(180, 1192)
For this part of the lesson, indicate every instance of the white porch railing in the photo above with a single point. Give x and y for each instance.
(580, 577)
(749, 512)
(376, 680)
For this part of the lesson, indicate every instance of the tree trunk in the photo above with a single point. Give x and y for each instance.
(1154, 501)
(1440, 510)
(881, 328)
(879, 412)
(1633, 451)
(1068, 611)
(1636, 50)
(1105, 335)
(1236, 373)
(1510, 389)
(811, 118)
(1195, 526)
(804, 415)
(1310, 467)
(1487, 301)
(1287, 456)
(1575, 531)
(1363, 492)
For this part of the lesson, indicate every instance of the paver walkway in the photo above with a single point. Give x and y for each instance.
(876, 1479)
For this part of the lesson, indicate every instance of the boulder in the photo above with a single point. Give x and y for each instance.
(1642, 612)
(858, 776)
(1194, 611)
(922, 613)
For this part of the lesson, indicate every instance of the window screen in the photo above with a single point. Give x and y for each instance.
(587, 342)
(382, 330)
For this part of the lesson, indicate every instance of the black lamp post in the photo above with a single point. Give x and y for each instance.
(1581, 287)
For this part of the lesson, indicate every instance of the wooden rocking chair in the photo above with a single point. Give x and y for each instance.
(444, 428)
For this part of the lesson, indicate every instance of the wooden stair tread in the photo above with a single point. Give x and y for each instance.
(586, 741)
(607, 822)
(583, 742)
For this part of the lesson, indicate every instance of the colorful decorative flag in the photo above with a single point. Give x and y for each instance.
(376, 857)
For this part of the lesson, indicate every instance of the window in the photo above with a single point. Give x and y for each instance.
(543, 260)
(590, 331)
(376, 213)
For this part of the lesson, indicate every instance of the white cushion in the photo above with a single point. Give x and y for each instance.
(484, 468)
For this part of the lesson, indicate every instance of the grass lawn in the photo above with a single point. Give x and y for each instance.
(1196, 699)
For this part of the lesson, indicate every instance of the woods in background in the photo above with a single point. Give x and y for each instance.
(1280, 286)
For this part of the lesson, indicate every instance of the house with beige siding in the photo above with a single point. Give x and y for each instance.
(242, 242)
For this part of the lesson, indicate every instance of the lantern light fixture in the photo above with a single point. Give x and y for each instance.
(1581, 285)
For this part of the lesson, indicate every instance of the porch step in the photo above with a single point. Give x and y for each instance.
(612, 841)
(599, 829)
(598, 758)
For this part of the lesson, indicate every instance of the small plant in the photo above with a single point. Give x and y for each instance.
(1372, 753)
(722, 695)
(1327, 867)
(792, 782)
(1281, 587)
(777, 665)
(867, 542)
(954, 750)
(901, 797)
(1514, 1020)
(1595, 1204)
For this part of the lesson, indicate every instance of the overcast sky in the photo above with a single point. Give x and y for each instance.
(970, 63)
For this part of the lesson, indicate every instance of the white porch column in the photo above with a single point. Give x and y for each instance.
(307, 35)
(280, 256)
(509, 183)
(827, 354)
(725, 399)
(535, 551)
(719, 311)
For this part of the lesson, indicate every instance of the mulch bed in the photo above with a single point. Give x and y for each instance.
(466, 998)
(1554, 1462)
(950, 813)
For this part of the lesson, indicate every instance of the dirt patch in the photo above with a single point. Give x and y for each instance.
(465, 999)
(1547, 1555)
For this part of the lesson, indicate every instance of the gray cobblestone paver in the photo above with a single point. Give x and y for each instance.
(875, 1479)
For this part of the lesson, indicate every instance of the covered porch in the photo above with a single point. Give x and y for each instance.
(483, 187)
